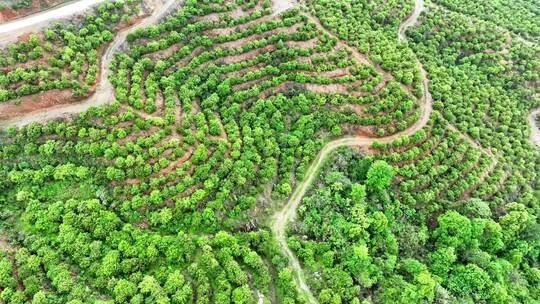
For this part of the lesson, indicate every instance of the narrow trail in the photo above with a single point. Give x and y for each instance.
(534, 137)
(474, 143)
(10, 31)
(363, 59)
(288, 213)
(468, 138)
(104, 92)
(412, 20)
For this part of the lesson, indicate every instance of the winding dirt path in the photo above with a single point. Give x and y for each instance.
(413, 18)
(288, 213)
(104, 92)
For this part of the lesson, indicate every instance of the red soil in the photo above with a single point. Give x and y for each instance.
(8, 14)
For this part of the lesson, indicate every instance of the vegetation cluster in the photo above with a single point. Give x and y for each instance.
(166, 194)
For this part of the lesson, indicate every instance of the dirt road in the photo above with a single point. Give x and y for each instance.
(10, 31)
(413, 18)
(288, 213)
(104, 91)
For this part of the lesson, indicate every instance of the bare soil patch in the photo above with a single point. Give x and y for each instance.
(36, 102)
(4, 244)
(279, 6)
(8, 14)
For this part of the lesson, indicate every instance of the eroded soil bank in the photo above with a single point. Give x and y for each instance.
(9, 13)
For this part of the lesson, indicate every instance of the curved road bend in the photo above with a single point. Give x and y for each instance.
(534, 137)
(288, 212)
(104, 92)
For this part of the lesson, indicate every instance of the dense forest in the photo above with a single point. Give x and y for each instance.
(253, 153)
(357, 239)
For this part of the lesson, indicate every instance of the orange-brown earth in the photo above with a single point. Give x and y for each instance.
(8, 14)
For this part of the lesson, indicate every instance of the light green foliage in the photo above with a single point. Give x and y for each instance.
(166, 194)
(344, 237)
(379, 175)
(453, 230)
